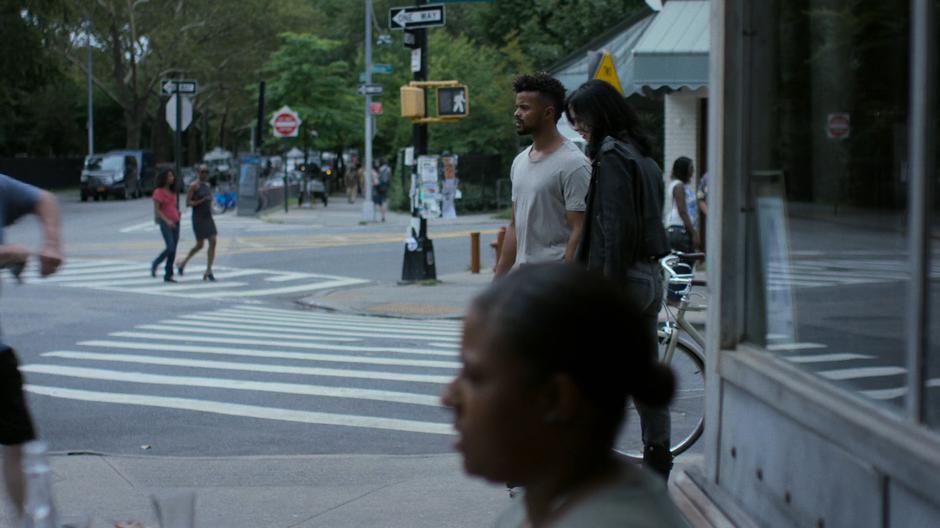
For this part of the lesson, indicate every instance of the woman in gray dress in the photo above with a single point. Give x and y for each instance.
(199, 198)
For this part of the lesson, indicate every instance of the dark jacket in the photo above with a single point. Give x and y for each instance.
(623, 220)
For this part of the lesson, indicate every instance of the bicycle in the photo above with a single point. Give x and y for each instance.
(682, 348)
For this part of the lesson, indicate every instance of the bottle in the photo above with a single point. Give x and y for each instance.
(39, 511)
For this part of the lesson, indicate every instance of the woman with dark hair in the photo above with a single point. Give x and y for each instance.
(539, 402)
(623, 231)
(199, 198)
(167, 217)
(681, 209)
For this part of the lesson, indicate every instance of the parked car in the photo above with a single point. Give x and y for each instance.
(111, 174)
(147, 169)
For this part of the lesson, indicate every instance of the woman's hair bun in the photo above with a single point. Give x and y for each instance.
(655, 386)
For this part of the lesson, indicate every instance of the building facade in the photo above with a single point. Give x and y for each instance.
(823, 356)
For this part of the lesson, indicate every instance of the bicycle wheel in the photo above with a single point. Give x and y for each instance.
(686, 412)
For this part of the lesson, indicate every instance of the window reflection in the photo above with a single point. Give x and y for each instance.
(831, 191)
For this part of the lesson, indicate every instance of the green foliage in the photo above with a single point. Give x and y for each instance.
(304, 74)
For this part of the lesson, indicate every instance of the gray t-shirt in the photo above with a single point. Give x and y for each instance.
(16, 199)
(542, 191)
(636, 499)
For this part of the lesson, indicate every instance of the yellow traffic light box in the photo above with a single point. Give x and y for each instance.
(412, 102)
(453, 101)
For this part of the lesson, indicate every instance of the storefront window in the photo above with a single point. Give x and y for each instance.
(932, 383)
(829, 181)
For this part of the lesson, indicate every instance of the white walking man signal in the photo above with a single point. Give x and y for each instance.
(460, 103)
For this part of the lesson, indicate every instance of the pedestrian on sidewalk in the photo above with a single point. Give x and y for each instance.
(681, 208)
(199, 198)
(16, 427)
(542, 395)
(350, 178)
(380, 187)
(549, 180)
(167, 217)
(624, 236)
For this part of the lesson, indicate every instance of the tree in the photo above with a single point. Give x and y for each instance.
(304, 74)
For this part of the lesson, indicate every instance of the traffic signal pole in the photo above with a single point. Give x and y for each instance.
(368, 209)
(178, 143)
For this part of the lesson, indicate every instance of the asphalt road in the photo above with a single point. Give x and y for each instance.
(118, 362)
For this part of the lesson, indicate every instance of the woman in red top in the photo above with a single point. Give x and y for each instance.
(168, 218)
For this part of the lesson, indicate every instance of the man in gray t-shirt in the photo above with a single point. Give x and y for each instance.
(550, 180)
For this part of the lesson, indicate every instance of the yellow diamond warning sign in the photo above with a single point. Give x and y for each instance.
(606, 71)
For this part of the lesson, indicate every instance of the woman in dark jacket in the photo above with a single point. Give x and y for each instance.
(623, 234)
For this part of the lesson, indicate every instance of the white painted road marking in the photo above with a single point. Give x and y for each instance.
(247, 411)
(236, 384)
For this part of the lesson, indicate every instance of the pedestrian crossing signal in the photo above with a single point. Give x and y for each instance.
(453, 102)
(412, 102)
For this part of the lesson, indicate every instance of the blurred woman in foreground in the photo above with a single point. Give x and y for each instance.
(550, 355)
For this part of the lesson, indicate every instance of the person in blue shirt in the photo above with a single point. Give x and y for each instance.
(18, 199)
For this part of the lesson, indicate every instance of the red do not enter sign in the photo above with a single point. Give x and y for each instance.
(285, 123)
(838, 125)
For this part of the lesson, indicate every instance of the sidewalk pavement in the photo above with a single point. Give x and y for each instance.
(334, 491)
(448, 298)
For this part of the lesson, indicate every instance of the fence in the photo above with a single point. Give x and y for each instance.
(56, 173)
(478, 174)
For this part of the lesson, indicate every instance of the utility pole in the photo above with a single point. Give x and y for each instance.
(91, 96)
(368, 209)
(420, 265)
(178, 141)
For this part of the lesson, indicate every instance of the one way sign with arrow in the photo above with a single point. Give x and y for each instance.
(416, 17)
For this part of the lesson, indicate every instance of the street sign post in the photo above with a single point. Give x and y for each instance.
(169, 86)
(285, 123)
(370, 89)
(416, 17)
(186, 112)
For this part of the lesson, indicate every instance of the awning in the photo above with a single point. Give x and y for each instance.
(651, 50)
(573, 71)
(673, 51)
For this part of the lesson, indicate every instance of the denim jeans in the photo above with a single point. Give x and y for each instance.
(645, 288)
(171, 237)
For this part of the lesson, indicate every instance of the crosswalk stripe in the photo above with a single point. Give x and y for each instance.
(861, 372)
(225, 329)
(452, 346)
(317, 332)
(383, 323)
(342, 317)
(178, 287)
(249, 411)
(195, 277)
(824, 358)
(99, 270)
(338, 283)
(368, 360)
(235, 384)
(252, 367)
(885, 394)
(140, 274)
(148, 345)
(794, 346)
(329, 325)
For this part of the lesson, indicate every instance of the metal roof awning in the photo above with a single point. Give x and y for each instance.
(573, 72)
(651, 50)
(673, 51)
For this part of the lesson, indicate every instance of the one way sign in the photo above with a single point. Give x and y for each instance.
(416, 17)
